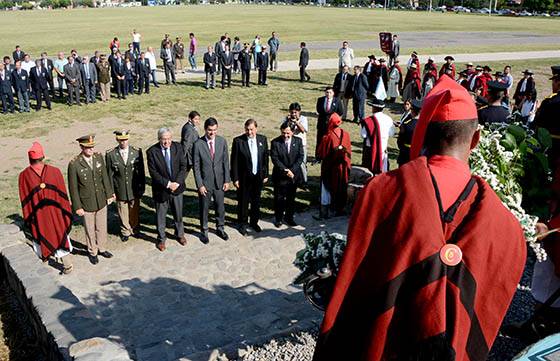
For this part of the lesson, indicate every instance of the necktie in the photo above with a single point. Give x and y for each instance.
(168, 160)
(212, 149)
(288, 146)
(327, 105)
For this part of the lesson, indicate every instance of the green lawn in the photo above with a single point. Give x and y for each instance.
(92, 29)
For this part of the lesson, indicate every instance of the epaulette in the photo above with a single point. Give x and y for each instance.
(551, 95)
(408, 121)
(483, 107)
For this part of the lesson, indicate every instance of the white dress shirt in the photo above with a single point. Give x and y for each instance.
(254, 154)
(124, 154)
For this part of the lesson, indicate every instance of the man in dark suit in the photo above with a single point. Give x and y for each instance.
(117, 72)
(73, 78)
(359, 87)
(6, 94)
(20, 82)
(49, 67)
(303, 62)
(40, 84)
(226, 61)
(245, 62)
(189, 135)
(219, 49)
(210, 60)
(8, 66)
(167, 167)
(143, 71)
(18, 54)
(167, 55)
(341, 91)
(286, 152)
(89, 79)
(326, 106)
(249, 171)
(262, 63)
(211, 174)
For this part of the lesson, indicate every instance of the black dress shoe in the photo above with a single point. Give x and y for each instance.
(204, 237)
(290, 222)
(124, 238)
(277, 224)
(222, 234)
(93, 259)
(106, 254)
(256, 227)
(243, 230)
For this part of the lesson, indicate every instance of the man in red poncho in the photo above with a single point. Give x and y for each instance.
(335, 150)
(46, 209)
(433, 257)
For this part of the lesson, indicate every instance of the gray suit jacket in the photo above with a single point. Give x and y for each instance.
(212, 174)
(396, 48)
(189, 135)
(73, 73)
(92, 72)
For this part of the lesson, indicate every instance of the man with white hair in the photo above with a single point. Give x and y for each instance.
(167, 166)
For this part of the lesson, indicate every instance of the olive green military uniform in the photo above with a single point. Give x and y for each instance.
(90, 188)
(125, 168)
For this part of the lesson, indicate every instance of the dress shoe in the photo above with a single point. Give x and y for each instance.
(277, 224)
(93, 259)
(106, 254)
(290, 222)
(256, 227)
(222, 234)
(183, 240)
(204, 237)
(161, 246)
(243, 230)
(124, 238)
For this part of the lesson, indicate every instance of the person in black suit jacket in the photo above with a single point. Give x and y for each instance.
(245, 62)
(286, 152)
(40, 84)
(303, 63)
(20, 82)
(341, 91)
(249, 172)
(143, 71)
(326, 106)
(117, 71)
(167, 167)
(262, 63)
(189, 135)
(226, 61)
(210, 60)
(49, 67)
(18, 54)
(129, 76)
(359, 87)
(6, 94)
(8, 66)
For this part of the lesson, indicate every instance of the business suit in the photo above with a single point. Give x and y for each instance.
(284, 186)
(6, 93)
(143, 71)
(163, 196)
(168, 57)
(89, 80)
(249, 175)
(219, 49)
(40, 85)
(129, 77)
(324, 112)
(245, 62)
(303, 62)
(212, 173)
(226, 61)
(117, 71)
(210, 61)
(49, 66)
(340, 87)
(73, 81)
(395, 51)
(262, 62)
(189, 135)
(359, 87)
(20, 82)
(18, 55)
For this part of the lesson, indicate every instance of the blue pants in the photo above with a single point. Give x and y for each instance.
(192, 61)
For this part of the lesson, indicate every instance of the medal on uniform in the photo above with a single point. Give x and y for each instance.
(451, 254)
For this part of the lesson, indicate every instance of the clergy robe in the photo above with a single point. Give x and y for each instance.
(395, 299)
(46, 209)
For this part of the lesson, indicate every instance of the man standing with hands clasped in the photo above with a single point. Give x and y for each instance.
(249, 172)
(211, 174)
(90, 191)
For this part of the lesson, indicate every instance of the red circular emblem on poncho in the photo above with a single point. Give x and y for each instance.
(451, 254)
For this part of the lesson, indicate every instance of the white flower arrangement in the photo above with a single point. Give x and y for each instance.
(322, 251)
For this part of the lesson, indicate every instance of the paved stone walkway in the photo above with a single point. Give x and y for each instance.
(187, 301)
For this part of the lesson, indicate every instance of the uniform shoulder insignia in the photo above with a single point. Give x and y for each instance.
(483, 107)
(551, 95)
(407, 121)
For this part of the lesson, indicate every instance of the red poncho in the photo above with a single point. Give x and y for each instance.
(46, 209)
(394, 299)
(336, 161)
(374, 134)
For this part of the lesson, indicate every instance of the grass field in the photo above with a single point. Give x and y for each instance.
(92, 29)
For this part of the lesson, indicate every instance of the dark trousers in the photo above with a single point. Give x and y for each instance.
(129, 86)
(89, 88)
(249, 193)
(73, 93)
(120, 88)
(204, 205)
(358, 105)
(176, 204)
(262, 76)
(50, 80)
(144, 84)
(42, 94)
(284, 201)
(303, 76)
(245, 77)
(169, 71)
(273, 63)
(226, 76)
(136, 47)
(7, 99)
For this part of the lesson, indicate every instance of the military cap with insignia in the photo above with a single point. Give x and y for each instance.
(121, 134)
(87, 141)
(555, 72)
(377, 103)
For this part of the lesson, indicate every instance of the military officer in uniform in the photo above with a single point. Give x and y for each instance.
(494, 112)
(547, 116)
(406, 130)
(125, 167)
(90, 192)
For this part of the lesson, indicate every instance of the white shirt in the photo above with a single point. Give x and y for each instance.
(528, 110)
(152, 59)
(136, 37)
(27, 65)
(386, 130)
(89, 161)
(523, 85)
(168, 52)
(253, 148)
(345, 57)
(124, 154)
